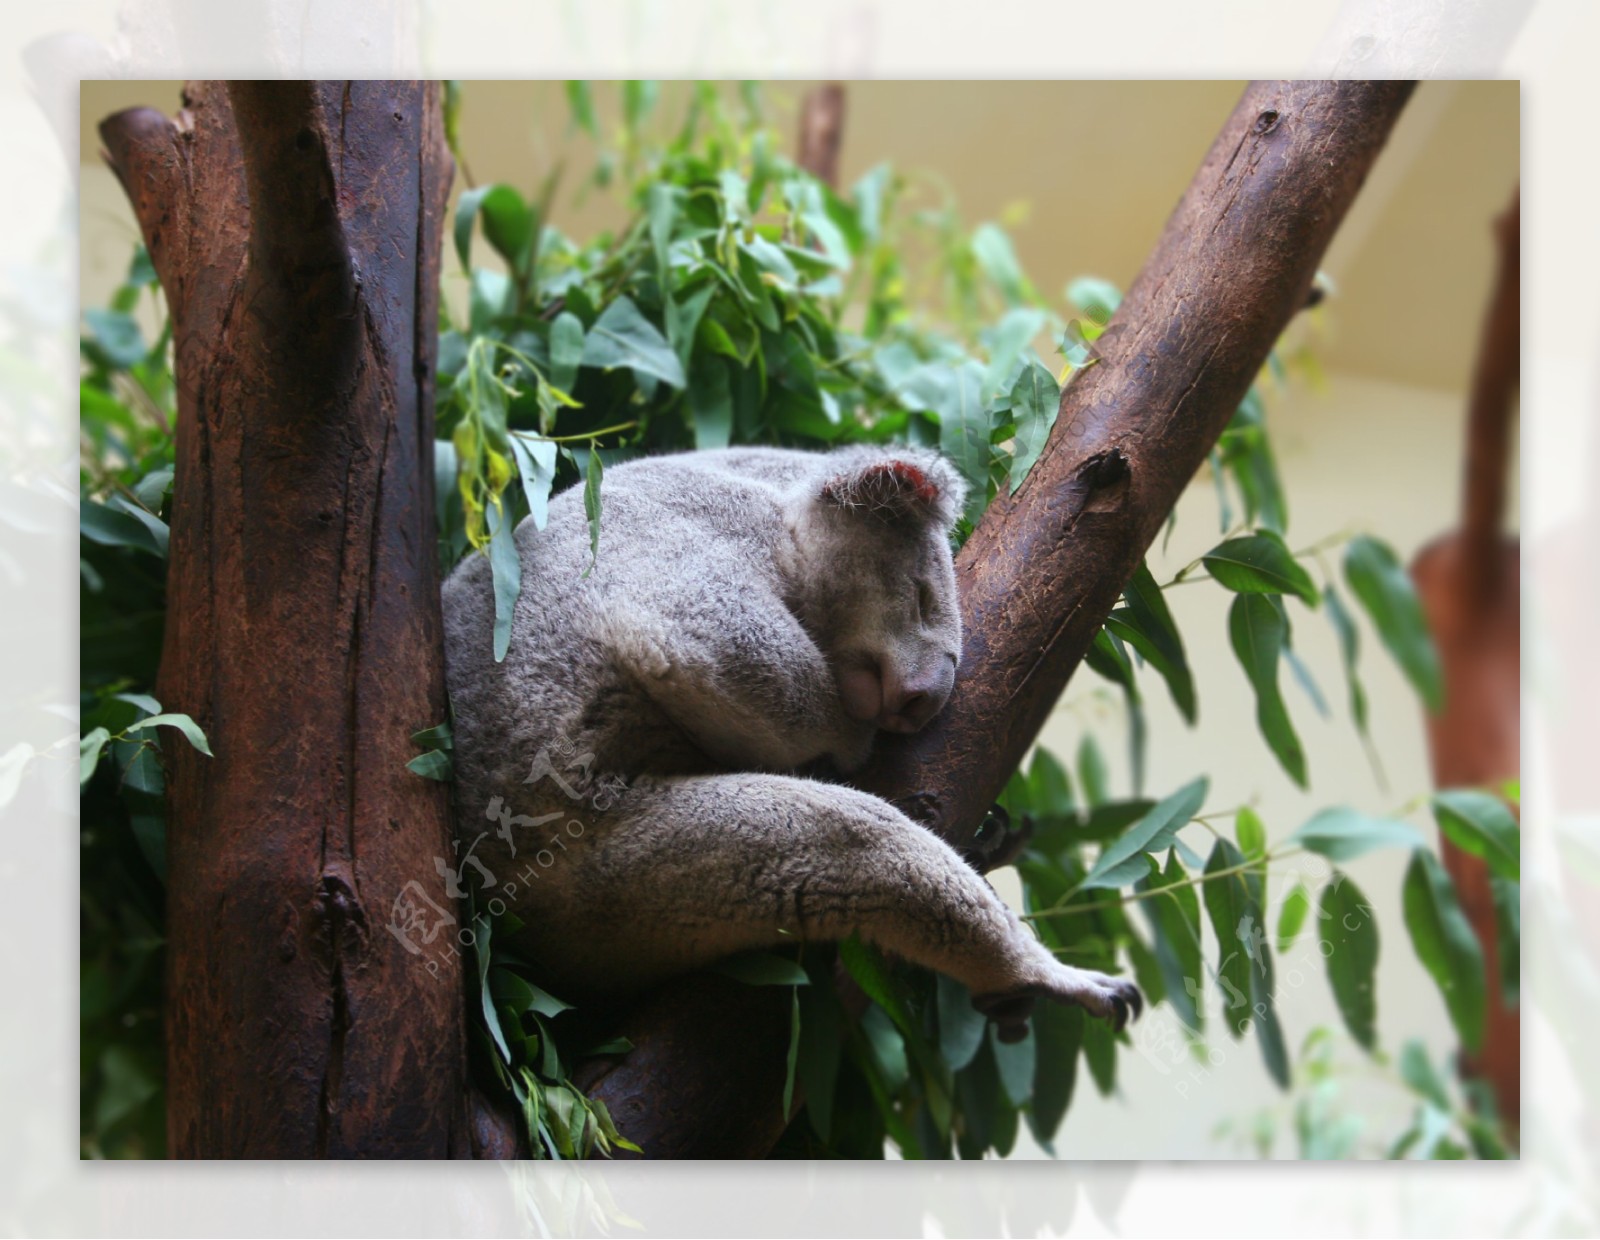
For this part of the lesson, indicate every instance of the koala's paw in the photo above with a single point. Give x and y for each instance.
(1111, 998)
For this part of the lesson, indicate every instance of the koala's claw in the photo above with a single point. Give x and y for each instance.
(1113, 999)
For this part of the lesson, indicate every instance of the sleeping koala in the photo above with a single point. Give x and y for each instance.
(627, 774)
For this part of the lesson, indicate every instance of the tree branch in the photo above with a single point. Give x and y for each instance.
(149, 154)
(1494, 384)
(1046, 565)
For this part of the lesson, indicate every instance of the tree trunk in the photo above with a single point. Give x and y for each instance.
(296, 230)
(822, 132)
(1470, 583)
(1046, 565)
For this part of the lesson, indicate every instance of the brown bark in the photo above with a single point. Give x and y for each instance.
(1470, 584)
(822, 132)
(1046, 565)
(296, 230)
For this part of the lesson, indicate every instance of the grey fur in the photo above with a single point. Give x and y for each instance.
(748, 612)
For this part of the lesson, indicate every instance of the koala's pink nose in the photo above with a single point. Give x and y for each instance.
(908, 707)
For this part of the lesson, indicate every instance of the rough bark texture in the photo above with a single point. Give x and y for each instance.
(296, 230)
(1470, 583)
(1046, 565)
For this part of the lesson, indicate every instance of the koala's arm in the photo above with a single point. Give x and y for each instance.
(700, 867)
(736, 671)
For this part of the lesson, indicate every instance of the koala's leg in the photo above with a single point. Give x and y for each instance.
(700, 867)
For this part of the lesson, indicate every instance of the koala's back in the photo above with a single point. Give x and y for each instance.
(684, 539)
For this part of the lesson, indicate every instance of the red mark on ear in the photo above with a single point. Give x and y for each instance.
(907, 476)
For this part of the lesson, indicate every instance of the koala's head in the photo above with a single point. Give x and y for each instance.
(879, 588)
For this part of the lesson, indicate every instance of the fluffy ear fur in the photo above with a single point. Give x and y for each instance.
(897, 485)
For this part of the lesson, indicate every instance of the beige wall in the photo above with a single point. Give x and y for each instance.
(1100, 165)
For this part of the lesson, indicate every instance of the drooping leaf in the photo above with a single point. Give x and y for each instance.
(1091, 771)
(1507, 897)
(964, 431)
(1015, 1063)
(1350, 929)
(506, 569)
(1292, 916)
(1257, 628)
(1058, 1036)
(1417, 1071)
(1349, 648)
(1389, 598)
(818, 1067)
(536, 467)
(592, 476)
(1174, 917)
(1480, 824)
(961, 1026)
(1260, 563)
(89, 747)
(1227, 906)
(1100, 1054)
(1035, 399)
(792, 1060)
(1445, 943)
(1146, 623)
(710, 402)
(566, 350)
(1264, 1001)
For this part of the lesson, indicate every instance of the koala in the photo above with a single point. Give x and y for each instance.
(638, 779)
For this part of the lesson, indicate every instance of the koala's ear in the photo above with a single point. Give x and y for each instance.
(923, 488)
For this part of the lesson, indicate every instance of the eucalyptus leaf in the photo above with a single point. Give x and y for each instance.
(1260, 563)
(1258, 630)
(592, 505)
(1350, 949)
(1227, 901)
(1342, 834)
(1174, 917)
(1292, 916)
(1123, 861)
(621, 336)
(89, 747)
(506, 569)
(1480, 824)
(762, 969)
(190, 729)
(1386, 593)
(566, 350)
(1035, 398)
(961, 1026)
(1445, 943)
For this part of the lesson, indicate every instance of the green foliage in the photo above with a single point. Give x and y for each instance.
(1447, 1122)
(745, 302)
